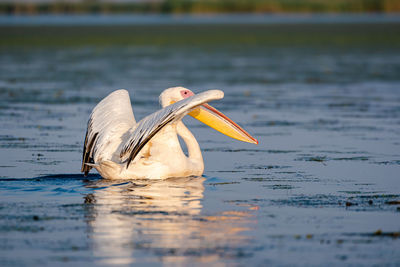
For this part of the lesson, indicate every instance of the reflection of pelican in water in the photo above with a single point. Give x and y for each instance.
(128, 221)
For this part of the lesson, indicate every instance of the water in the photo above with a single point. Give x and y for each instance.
(194, 19)
(320, 188)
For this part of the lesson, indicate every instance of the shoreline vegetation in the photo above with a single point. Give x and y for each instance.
(199, 7)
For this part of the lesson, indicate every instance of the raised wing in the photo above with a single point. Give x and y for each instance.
(110, 118)
(152, 124)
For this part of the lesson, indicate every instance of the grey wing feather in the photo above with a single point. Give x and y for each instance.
(113, 112)
(152, 124)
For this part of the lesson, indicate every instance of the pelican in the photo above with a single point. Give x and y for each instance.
(119, 148)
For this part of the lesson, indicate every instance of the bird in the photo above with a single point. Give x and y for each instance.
(118, 147)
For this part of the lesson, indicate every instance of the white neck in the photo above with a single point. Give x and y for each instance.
(193, 147)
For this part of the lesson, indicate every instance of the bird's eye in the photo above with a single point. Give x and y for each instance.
(186, 93)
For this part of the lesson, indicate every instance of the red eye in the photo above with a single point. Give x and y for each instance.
(186, 93)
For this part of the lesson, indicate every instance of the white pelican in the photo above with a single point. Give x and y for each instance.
(119, 148)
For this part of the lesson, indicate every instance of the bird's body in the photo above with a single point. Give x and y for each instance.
(119, 148)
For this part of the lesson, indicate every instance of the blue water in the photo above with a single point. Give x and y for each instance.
(321, 188)
(156, 19)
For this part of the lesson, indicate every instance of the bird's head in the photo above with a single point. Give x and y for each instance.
(174, 94)
(207, 114)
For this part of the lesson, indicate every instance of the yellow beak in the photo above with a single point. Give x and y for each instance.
(217, 120)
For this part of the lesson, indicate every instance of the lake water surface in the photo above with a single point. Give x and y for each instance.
(321, 188)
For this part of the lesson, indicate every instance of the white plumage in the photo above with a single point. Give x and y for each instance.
(120, 148)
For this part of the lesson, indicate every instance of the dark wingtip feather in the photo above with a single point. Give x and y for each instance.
(87, 150)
